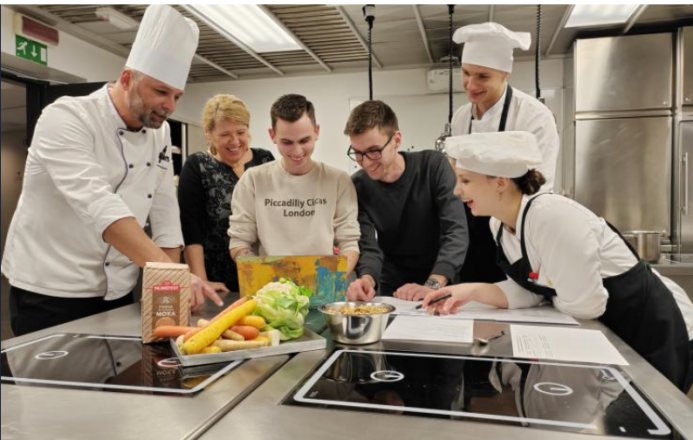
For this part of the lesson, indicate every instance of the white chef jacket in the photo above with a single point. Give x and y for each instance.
(572, 250)
(84, 171)
(526, 113)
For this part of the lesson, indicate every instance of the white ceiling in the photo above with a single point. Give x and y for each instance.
(335, 34)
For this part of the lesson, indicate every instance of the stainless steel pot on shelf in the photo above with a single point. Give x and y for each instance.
(646, 243)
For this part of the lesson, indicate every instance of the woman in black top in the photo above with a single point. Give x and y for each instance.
(206, 186)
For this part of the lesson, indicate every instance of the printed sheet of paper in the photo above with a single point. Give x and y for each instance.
(564, 344)
(433, 329)
(543, 314)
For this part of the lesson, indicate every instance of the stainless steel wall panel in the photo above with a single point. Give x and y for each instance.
(623, 171)
(624, 73)
(685, 147)
(687, 71)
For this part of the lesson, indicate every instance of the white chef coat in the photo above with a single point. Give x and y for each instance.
(526, 113)
(572, 250)
(84, 171)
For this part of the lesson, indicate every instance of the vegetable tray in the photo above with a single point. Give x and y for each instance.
(308, 342)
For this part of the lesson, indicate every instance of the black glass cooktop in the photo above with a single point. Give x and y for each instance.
(105, 363)
(562, 397)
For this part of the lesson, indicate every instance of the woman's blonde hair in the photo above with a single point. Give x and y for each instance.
(224, 108)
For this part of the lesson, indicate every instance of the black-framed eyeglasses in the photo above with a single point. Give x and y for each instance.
(374, 154)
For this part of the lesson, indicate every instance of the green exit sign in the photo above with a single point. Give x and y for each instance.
(31, 50)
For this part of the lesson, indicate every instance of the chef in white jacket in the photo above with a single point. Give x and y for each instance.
(98, 167)
(551, 247)
(487, 62)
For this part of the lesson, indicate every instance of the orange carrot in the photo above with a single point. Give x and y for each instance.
(212, 332)
(248, 332)
(171, 331)
(195, 331)
(229, 308)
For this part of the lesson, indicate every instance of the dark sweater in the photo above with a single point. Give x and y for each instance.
(411, 228)
(204, 196)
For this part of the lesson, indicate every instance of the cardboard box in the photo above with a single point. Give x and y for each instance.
(165, 297)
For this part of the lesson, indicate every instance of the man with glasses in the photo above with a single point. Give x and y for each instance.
(413, 229)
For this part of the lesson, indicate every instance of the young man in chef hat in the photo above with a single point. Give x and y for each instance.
(487, 61)
(98, 168)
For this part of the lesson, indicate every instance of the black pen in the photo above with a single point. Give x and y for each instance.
(440, 298)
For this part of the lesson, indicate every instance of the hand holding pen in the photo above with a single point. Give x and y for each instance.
(433, 301)
(449, 299)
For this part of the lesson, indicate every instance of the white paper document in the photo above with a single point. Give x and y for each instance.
(564, 344)
(546, 314)
(435, 329)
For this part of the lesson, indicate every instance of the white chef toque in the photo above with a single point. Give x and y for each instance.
(165, 45)
(490, 45)
(499, 154)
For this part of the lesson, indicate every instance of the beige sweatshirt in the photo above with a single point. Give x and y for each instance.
(279, 214)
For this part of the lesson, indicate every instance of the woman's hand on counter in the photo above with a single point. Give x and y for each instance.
(218, 287)
(201, 290)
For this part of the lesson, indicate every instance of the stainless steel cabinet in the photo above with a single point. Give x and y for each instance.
(632, 73)
(623, 171)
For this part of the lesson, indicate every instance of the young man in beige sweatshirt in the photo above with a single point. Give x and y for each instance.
(294, 206)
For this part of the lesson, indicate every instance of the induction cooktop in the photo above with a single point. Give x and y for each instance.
(105, 363)
(588, 399)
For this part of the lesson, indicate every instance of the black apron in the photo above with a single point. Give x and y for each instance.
(480, 263)
(641, 310)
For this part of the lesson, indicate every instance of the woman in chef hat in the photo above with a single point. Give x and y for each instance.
(551, 247)
(487, 62)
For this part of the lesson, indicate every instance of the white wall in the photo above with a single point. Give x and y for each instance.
(422, 115)
(71, 56)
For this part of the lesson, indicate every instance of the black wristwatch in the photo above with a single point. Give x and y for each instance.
(433, 284)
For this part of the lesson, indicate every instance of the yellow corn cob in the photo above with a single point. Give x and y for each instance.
(211, 333)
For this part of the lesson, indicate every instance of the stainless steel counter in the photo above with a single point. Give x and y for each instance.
(260, 415)
(34, 413)
(246, 403)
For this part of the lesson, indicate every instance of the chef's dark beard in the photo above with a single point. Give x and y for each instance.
(145, 114)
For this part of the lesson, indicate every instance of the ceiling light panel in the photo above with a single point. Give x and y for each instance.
(600, 15)
(249, 24)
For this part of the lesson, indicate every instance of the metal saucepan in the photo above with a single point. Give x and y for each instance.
(646, 243)
(356, 329)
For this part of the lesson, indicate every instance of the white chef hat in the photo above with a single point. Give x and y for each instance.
(499, 154)
(490, 45)
(165, 45)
